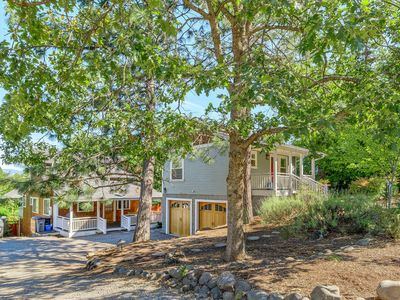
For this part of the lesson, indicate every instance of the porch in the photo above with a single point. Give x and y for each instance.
(117, 216)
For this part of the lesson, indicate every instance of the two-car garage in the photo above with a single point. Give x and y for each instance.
(186, 216)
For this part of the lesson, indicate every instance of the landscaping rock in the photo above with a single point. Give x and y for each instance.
(257, 295)
(388, 290)
(326, 292)
(242, 286)
(121, 270)
(275, 296)
(348, 249)
(158, 254)
(328, 252)
(294, 296)
(275, 232)
(226, 281)
(364, 242)
(195, 250)
(216, 293)
(228, 296)
(205, 278)
(130, 273)
(266, 235)
(204, 290)
(138, 272)
(186, 288)
(253, 238)
(290, 259)
(175, 273)
(186, 281)
(220, 245)
(212, 283)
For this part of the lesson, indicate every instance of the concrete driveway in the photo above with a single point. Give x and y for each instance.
(53, 268)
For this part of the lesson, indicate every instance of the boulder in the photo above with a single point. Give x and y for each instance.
(266, 236)
(290, 259)
(348, 249)
(326, 292)
(294, 296)
(253, 238)
(158, 254)
(257, 295)
(389, 290)
(220, 245)
(228, 296)
(204, 290)
(205, 278)
(175, 273)
(364, 242)
(195, 250)
(186, 288)
(226, 281)
(212, 283)
(242, 286)
(138, 272)
(216, 293)
(275, 296)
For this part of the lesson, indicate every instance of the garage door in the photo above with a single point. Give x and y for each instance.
(211, 215)
(179, 218)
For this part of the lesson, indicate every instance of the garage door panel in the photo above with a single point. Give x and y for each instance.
(179, 218)
(211, 215)
(219, 214)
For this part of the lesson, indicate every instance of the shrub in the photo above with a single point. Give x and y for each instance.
(374, 185)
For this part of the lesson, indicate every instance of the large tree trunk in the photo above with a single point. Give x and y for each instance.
(248, 202)
(142, 230)
(235, 248)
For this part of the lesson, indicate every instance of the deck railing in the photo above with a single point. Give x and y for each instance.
(155, 217)
(102, 225)
(79, 224)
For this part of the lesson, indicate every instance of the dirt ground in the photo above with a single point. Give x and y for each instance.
(277, 264)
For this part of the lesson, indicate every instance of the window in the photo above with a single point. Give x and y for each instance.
(46, 207)
(283, 166)
(85, 207)
(254, 159)
(35, 205)
(177, 170)
(127, 204)
(220, 208)
(206, 207)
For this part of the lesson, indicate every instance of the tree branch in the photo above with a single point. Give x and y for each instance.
(198, 10)
(29, 4)
(265, 131)
(330, 78)
(269, 27)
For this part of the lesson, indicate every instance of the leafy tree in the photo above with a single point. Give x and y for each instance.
(276, 62)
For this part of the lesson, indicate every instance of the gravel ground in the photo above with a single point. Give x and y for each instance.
(52, 268)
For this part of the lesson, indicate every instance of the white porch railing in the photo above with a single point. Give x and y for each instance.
(102, 225)
(314, 185)
(155, 217)
(79, 224)
(62, 223)
(260, 182)
(126, 222)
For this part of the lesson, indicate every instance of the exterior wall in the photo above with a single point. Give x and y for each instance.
(27, 224)
(263, 165)
(200, 177)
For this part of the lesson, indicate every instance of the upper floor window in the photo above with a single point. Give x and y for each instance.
(35, 204)
(254, 159)
(177, 169)
(46, 207)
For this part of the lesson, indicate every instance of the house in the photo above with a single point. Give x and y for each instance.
(104, 211)
(195, 193)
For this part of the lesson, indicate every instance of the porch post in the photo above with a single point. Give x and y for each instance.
(301, 166)
(313, 168)
(276, 174)
(97, 210)
(114, 211)
(122, 210)
(290, 174)
(71, 218)
(55, 213)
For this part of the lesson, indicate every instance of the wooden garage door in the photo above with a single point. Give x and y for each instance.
(211, 215)
(179, 218)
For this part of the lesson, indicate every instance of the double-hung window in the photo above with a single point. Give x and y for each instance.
(35, 205)
(46, 207)
(177, 172)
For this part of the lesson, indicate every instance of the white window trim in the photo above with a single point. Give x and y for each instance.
(256, 159)
(37, 204)
(196, 211)
(167, 200)
(120, 202)
(44, 206)
(79, 210)
(183, 171)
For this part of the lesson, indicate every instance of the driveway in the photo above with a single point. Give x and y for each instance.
(53, 268)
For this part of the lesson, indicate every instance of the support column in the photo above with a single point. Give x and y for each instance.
(276, 174)
(122, 209)
(301, 166)
(290, 174)
(114, 211)
(313, 168)
(55, 213)
(98, 209)
(71, 218)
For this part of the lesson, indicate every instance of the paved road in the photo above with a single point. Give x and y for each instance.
(52, 268)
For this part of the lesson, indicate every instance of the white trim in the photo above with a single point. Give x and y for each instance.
(196, 212)
(44, 207)
(256, 159)
(79, 210)
(37, 203)
(183, 171)
(129, 206)
(167, 212)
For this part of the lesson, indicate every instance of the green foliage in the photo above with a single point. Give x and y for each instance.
(374, 185)
(341, 213)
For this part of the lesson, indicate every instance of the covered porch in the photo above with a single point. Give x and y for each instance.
(283, 172)
(92, 217)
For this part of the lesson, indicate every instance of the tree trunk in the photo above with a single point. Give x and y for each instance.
(248, 203)
(142, 230)
(235, 248)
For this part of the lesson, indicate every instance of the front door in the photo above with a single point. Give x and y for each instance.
(179, 218)
(211, 215)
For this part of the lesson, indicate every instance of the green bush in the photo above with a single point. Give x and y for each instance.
(319, 215)
(373, 185)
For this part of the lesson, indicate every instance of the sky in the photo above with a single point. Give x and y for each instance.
(195, 104)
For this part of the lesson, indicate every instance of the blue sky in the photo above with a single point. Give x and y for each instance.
(195, 104)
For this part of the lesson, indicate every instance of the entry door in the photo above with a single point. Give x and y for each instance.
(211, 215)
(179, 218)
(109, 212)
